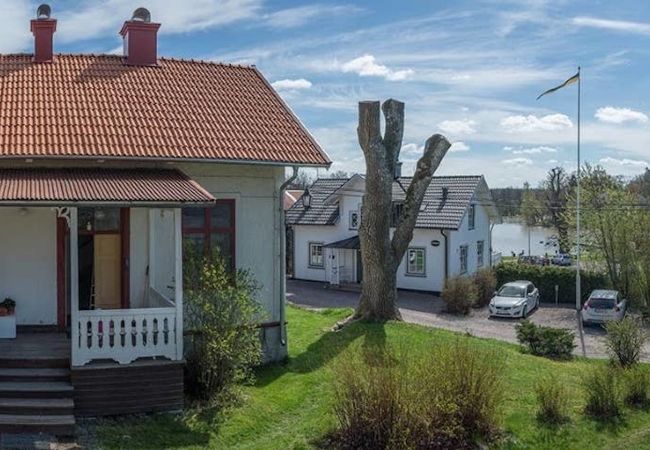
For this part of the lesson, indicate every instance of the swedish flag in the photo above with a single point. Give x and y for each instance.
(571, 80)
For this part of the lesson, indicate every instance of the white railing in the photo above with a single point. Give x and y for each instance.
(124, 335)
(496, 258)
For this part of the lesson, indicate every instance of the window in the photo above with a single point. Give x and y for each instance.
(463, 259)
(479, 253)
(472, 217)
(397, 209)
(316, 259)
(354, 220)
(211, 230)
(415, 263)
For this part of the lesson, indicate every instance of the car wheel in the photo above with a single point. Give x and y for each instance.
(524, 313)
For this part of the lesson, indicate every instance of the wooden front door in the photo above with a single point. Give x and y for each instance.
(108, 270)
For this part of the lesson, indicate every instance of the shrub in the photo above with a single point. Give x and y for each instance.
(602, 392)
(459, 295)
(221, 314)
(486, 284)
(553, 400)
(637, 384)
(546, 277)
(545, 341)
(449, 399)
(625, 341)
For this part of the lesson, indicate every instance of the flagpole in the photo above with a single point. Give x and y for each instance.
(578, 296)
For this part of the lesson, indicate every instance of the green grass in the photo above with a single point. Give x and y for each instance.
(289, 407)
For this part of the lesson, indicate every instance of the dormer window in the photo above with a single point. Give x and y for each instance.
(471, 217)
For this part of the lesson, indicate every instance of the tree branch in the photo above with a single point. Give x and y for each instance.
(394, 115)
(368, 131)
(434, 150)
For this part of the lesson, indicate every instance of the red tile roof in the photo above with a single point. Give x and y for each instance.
(97, 107)
(80, 185)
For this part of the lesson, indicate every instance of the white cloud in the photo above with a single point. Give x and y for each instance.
(14, 33)
(457, 127)
(552, 161)
(518, 161)
(367, 66)
(550, 122)
(614, 25)
(97, 18)
(534, 150)
(459, 146)
(612, 114)
(624, 162)
(295, 17)
(291, 85)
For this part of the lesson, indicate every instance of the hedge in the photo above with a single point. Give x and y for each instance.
(546, 277)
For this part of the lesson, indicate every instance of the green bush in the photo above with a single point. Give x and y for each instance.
(449, 399)
(553, 400)
(459, 294)
(486, 284)
(637, 385)
(602, 393)
(221, 316)
(545, 341)
(624, 341)
(546, 277)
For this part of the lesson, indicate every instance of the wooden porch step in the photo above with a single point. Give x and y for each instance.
(47, 374)
(37, 406)
(59, 425)
(38, 389)
(34, 363)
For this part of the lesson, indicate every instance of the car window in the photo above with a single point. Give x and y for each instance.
(602, 303)
(530, 289)
(511, 291)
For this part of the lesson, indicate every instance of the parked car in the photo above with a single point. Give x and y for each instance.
(603, 306)
(562, 259)
(514, 299)
(534, 260)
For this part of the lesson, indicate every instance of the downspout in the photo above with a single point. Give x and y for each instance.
(446, 253)
(490, 242)
(283, 254)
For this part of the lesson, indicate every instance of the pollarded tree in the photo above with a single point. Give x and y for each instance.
(381, 254)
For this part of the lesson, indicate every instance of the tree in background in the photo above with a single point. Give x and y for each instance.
(556, 186)
(303, 180)
(338, 174)
(381, 254)
(531, 208)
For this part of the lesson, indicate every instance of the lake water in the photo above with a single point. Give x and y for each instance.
(511, 237)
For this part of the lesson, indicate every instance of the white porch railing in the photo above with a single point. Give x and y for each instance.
(124, 335)
(496, 258)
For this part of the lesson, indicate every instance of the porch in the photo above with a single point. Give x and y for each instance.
(343, 262)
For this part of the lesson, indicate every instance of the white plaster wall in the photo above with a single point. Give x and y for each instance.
(464, 236)
(28, 263)
(434, 265)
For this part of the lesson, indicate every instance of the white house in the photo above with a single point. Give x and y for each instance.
(109, 164)
(452, 234)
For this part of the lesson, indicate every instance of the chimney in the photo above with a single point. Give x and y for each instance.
(445, 194)
(398, 170)
(140, 39)
(43, 29)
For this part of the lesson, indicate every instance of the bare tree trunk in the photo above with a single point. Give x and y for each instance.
(380, 254)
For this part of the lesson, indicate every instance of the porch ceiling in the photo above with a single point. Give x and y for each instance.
(92, 186)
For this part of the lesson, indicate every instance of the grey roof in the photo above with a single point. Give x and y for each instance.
(352, 243)
(434, 213)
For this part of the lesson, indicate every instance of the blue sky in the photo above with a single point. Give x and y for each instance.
(468, 69)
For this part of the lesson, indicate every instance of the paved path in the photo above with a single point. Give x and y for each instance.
(427, 309)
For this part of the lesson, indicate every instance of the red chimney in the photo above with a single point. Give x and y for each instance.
(43, 29)
(140, 39)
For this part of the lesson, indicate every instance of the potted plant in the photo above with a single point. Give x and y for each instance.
(7, 319)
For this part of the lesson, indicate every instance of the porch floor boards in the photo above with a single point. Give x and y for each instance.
(39, 346)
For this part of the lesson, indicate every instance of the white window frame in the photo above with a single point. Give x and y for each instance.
(415, 271)
(463, 249)
(352, 213)
(480, 253)
(471, 219)
(311, 255)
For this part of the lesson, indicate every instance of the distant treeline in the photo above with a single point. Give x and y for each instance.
(508, 200)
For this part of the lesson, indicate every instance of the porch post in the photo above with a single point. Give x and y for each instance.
(178, 281)
(74, 285)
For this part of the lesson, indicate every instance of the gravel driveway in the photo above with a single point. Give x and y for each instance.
(428, 310)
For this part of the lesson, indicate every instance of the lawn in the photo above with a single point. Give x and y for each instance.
(289, 405)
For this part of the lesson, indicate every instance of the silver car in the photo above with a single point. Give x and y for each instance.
(515, 299)
(602, 306)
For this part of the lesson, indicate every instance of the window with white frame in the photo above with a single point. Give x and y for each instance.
(316, 259)
(463, 259)
(354, 220)
(416, 261)
(479, 253)
(471, 217)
